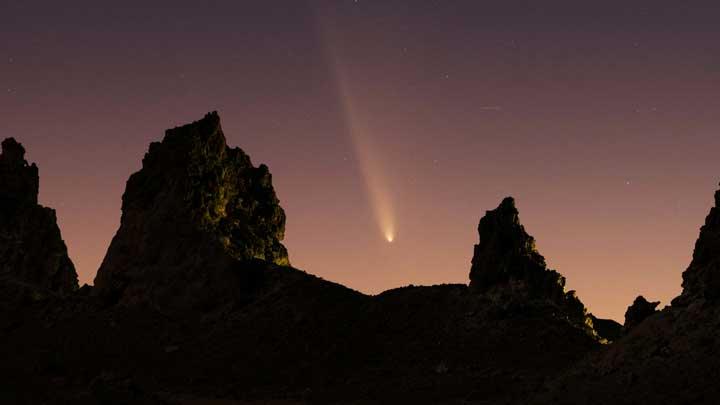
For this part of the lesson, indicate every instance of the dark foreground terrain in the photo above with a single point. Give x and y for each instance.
(196, 302)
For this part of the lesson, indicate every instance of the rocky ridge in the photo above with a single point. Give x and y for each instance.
(196, 302)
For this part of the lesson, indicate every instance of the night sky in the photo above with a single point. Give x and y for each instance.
(401, 120)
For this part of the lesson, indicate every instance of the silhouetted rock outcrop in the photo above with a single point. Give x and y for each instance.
(32, 252)
(506, 264)
(192, 219)
(638, 311)
(701, 280)
(20, 180)
(669, 356)
(607, 328)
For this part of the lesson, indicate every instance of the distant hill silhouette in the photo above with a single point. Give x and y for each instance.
(196, 302)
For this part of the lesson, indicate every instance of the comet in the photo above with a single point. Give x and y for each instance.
(372, 172)
(366, 152)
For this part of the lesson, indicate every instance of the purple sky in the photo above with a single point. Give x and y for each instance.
(601, 119)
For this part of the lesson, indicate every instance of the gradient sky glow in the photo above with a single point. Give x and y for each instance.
(600, 118)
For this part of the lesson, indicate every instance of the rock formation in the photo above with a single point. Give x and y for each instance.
(506, 262)
(638, 311)
(194, 303)
(193, 218)
(701, 280)
(669, 356)
(32, 251)
(201, 228)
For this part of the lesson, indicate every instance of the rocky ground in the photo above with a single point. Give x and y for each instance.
(196, 303)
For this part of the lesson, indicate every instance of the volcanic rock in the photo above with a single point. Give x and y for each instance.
(506, 264)
(32, 252)
(638, 311)
(192, 219)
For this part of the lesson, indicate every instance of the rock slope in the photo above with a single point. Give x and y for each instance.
(204, 307)
(195, 302)
(32, 252)
(192, 218)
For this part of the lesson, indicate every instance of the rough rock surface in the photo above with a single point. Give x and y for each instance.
(191, 217)
(639, 311)
(32, 252)
(506, 264)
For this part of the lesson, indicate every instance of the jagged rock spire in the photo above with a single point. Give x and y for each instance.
(194, 211)
(506, 260)
(701, 280)
(505, 250)
(31, 248)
